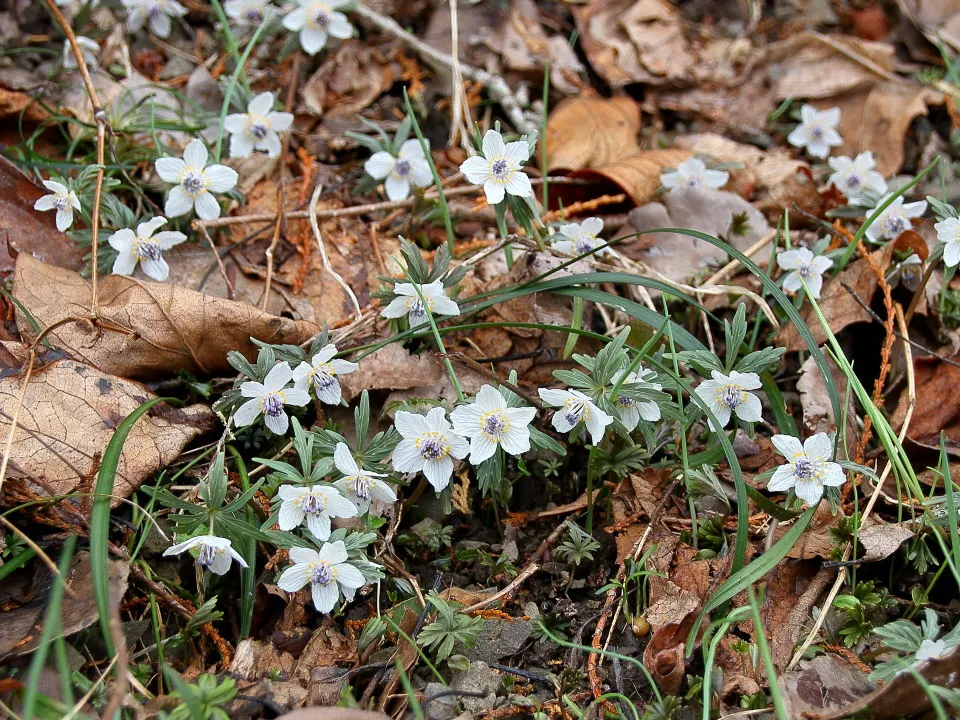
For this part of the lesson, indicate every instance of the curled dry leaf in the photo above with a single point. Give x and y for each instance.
(392, 368)
(664, 654)
(18, 626)
(25, 230)
(70, 411)
(630, 42)
(589, 131)
(161, 329)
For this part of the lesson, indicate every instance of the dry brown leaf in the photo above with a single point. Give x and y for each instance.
(838, 307)
(71, 410)
(20, 627)
(170, 328)
(810, 68)
(28, 231)
(392, 368)
(937, 404)
(588, 131)
(348, 82)
(637, 175)
(664, 654)
(902, 696)
(828, 682)
(681, 257)
(633, 42)
(938, 20)
(878, 119)
(879, 542)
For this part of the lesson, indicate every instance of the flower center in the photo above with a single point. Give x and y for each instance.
(493, 426)
(575, 411)
(692, 181)
(816, 133)
(402, 168)
(254, 16)
(803, 469)
(61, 203)
(362, 487)
(415, 306)
(321, 574)
(895, 224)
(321, 18)
(272, 404)
(153, 10)
(731, 396)
(431, 446)
(853, 181)
(148, 249)
(194, 183)
(323, 376)
(582, 245)
(258, 130)
(625, 402)
(805, 271)
(208, 554)
(313, 504)
(500, 169)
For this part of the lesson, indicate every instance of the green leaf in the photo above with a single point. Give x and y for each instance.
(100, 515)
(736, 333)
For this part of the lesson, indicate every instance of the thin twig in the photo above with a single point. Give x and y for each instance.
(732, 265)
(281, 200)
(231, 290)
(323, 251)
(100, 118)
(460, 121)
(496, 87)
(857, 58)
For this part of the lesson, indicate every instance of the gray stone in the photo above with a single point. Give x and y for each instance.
(478, 678)
(443, 707)
(498, 639)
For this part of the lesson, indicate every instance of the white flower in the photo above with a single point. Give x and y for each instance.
(158, 12)
(145, 248)
(269, 399)
(726, 394)
(321, 372)
(855, 177)
(498, 169)
(805, 267)
(931, 650)
(408, 302)
(257, 128)
(808, 468)
(409, 167)
(88, 48)
(630, 410)
(61, 199)
(948, 232)
(215, 552)
(429, 446)
(360, 486)
(317, 20)
(194, 181)
(248, 13)
(895, 219)
(908, 272)
(488, 422)
(817, 131)
(693, 173)
(579, 238)
(316, 505)
(574, 408)
(326, 572)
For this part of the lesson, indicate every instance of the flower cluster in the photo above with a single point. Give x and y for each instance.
(693, 173)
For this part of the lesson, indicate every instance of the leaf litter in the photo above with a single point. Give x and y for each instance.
(670, 283)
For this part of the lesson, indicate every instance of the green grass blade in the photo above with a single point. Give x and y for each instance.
(51, 624)
(248, 548)
(100, 516)
(750, 574)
